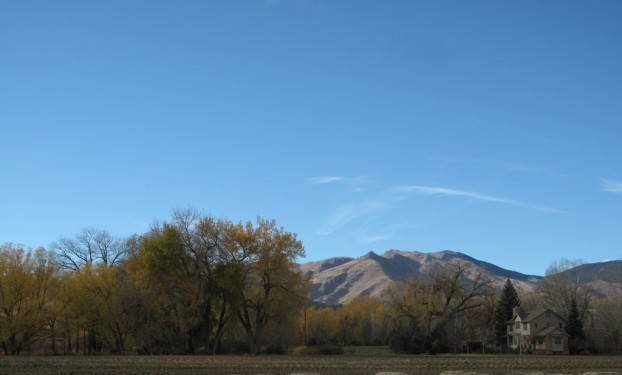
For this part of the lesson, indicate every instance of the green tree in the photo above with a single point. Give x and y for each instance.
(574, 328)
(504, 311)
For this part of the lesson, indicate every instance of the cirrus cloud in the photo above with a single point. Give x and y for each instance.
(432, 190)
(611, 186)
(324, 180)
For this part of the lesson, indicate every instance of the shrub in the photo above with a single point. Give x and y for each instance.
(325, 349)
(403, 343)
(275, 349)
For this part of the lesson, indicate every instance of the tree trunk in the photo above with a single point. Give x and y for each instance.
(67, 349)
(190, 344)
(252, 344)
(53, 332)
(220, 329)
(252, 336)
(12, 344)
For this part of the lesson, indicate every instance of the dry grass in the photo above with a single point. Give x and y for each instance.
(348, 364)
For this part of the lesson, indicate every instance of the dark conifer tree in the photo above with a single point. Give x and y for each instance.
(574, 328)
(505, 309)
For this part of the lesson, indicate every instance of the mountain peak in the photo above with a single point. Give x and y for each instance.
(371, 255)
(339, 280)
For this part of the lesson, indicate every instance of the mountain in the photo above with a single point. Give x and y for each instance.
(339, 280)
(605, 278)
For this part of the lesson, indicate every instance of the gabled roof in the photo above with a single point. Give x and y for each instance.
(531, 315)
(523, 315)
(527, 316)
(520, 314)
(547, 331)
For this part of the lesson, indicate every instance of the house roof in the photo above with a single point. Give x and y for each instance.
(520, 314)
(523, 315)
(531, 315)
(549, 330)
(536, 313)
(527, 316)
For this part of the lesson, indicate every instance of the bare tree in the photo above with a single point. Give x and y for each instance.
(481, 321)
(458, 293)
(608, 325)
(90, 246)
(434, 308)
(564, 283)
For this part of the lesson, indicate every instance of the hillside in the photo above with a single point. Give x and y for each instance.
(605, 278)
(338, 280)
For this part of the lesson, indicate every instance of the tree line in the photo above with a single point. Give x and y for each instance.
(180, 288)
(198, 284)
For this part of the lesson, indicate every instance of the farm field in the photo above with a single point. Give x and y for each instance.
(324, 365)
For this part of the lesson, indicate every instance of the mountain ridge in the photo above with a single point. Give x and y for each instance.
(340, 279)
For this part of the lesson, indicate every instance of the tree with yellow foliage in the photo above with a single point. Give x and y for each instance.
(26, 279)
(322, 325)
(273, 284)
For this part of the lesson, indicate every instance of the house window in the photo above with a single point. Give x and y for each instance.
(535, 325)
(525, 326)
(515, 340)
(558, 340)
(517, 325)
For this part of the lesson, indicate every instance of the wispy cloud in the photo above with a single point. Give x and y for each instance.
(347, 213)
(375, 206)
(324, 180)
(431, 190)
(611, 186)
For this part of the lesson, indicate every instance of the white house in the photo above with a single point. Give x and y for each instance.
(539, 331)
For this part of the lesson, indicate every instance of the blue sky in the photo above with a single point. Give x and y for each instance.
(492, 128)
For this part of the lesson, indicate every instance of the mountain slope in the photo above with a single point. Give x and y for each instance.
(339, 280)
(604, 278)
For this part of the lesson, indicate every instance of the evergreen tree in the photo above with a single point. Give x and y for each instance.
(504, 310)
(574, 328)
